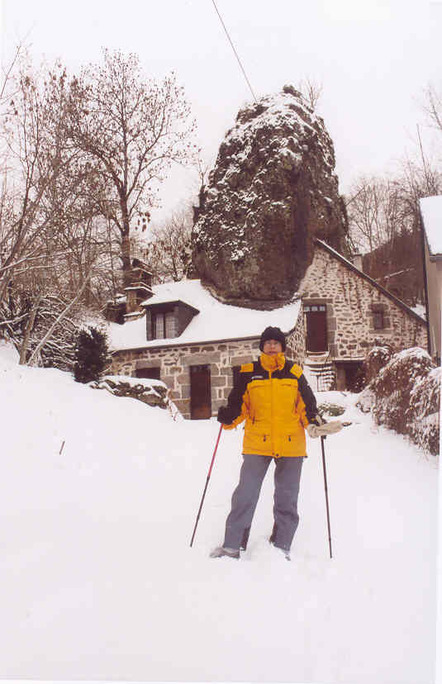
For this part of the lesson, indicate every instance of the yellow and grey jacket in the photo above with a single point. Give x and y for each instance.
(276, 402)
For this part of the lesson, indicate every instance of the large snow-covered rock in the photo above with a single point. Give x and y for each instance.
(405, 397)
(149, 391)
(272, 190)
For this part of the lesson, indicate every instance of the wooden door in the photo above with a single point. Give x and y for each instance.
(200, 392)
(316, 328)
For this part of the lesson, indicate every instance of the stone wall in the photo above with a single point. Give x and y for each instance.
(296, 341)
(175, 362)
(352, 304)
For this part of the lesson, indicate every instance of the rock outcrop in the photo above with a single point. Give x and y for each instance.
(272, 190)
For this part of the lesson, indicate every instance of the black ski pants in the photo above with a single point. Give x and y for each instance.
(246, 495)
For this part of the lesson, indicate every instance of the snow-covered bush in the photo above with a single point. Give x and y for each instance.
(39, 331)
(424, 414)
(376, 359)
(405, 397)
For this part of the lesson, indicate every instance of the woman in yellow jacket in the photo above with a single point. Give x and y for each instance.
(277, 404)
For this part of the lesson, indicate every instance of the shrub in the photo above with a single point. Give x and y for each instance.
(377, 358)
(405, 397)
(91, 355)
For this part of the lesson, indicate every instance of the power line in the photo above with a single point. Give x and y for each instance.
(234, 50)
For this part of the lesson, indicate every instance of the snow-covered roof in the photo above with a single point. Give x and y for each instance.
(431, 211)
(174, 292)
(215, 320)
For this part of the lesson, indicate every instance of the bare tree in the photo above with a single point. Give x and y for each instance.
(384, 224)
(169, 249)
(80, 157)
(311, 91)
(42, 198)
(40, 178)
(132, 130)
(432, 105)
(372, 212)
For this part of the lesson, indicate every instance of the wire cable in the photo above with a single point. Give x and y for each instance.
(234, 50)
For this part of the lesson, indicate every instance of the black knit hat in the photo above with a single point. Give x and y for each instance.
(272, 334)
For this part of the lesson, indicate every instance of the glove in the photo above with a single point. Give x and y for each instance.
(318, 420)
(225, 415)
(313, 430)
(324, 429)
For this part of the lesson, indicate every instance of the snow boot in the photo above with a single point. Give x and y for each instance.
(222, 551)
(284, 552)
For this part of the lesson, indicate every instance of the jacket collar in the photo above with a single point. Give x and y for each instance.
(272, 363)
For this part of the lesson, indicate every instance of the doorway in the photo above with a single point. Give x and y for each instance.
(316, 318)
(350, 375)
(200, 392)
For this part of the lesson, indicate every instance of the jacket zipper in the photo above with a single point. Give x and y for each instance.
(272, 427)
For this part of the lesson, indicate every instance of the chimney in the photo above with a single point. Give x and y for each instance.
(140, 288)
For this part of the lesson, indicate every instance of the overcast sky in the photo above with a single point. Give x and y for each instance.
(372, 57)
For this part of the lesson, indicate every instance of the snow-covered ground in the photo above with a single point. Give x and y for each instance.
(98, 498)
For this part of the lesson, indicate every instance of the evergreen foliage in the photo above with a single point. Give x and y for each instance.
(91, 355)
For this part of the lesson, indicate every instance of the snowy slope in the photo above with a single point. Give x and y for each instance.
(97, 580)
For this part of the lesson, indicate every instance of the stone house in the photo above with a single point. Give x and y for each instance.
(345, 313)
(431, 215)
(190, 340)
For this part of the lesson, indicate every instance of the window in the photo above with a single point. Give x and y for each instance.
(152, 373)
(378, 320)
(314, 307)
(379, 317)
(164, 325)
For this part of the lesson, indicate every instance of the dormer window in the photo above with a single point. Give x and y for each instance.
(164, 325)
(167, 320)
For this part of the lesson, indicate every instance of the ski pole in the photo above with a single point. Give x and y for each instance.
(326, 494)
(207, 482)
